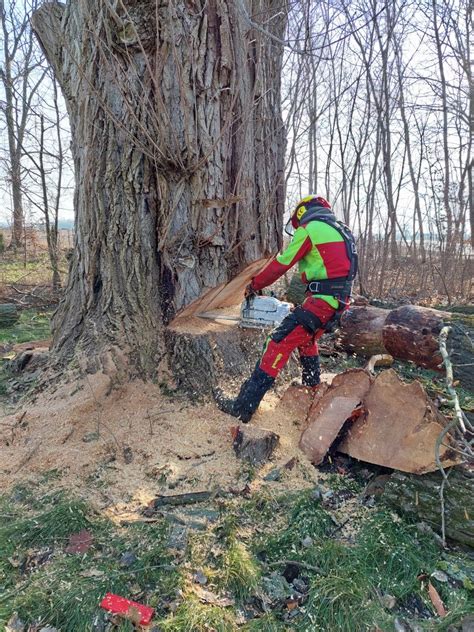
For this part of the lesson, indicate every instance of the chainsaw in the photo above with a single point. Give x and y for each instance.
(256, 312)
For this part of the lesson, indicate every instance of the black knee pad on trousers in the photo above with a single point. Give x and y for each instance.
(284, 329)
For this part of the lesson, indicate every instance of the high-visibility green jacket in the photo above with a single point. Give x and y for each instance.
(320, 252)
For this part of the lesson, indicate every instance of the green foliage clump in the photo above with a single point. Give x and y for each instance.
(192, 616)
(239, 572)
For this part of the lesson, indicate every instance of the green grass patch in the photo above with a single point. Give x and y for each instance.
(243, 556)
(193, 616)
(32, 325)
(32, 271)
(43, 583)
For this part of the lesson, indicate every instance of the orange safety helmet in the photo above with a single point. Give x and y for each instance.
(310, 202)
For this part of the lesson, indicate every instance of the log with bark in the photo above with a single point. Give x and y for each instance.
(411, 333)
(9, 315)
(419, 497)
(361, 330)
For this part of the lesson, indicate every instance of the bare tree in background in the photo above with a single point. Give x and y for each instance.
(384, 131)
(21, 75)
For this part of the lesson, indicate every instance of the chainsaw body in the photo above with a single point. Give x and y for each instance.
(263, 311)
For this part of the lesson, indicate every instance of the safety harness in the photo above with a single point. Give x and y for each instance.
(340, 288)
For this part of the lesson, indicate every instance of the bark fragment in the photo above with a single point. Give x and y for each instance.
(253, 444)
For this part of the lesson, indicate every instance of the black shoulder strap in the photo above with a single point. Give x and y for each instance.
(349, 242)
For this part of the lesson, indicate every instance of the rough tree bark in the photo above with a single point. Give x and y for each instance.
(411, 333)
(178, 146)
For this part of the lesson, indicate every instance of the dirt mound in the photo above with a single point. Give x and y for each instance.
(120, 447)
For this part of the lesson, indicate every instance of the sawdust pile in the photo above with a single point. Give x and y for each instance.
(120, 447)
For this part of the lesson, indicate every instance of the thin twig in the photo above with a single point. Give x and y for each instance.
(443, 336)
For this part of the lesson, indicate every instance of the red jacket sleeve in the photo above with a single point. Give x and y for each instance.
(299, 246)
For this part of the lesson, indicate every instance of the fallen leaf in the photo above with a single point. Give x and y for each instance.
(79, 542)
(206, 596)
(15, 562)
(436, 600)
(14, 624)
(291, 604)
(234, 431)
(440, 576)
(92, 572)
(134, 615)
(291, 463)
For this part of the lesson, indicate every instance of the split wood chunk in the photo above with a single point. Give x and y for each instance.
(400, 428)
(329, 412)
(297, 400)
(253, 444)
(361, 330)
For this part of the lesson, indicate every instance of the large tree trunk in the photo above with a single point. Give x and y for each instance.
(178, 146)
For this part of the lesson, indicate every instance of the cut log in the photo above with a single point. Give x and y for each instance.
(400, 428)
(361, 330)
(329, 413)
(297, 400)
(9, 315)
(411, 333)
(252, 444)
(418, 497)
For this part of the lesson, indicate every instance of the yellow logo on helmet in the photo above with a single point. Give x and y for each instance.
(300, 212)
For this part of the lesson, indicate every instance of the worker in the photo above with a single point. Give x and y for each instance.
(325, 251)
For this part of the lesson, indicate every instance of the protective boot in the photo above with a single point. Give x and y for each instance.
(311, 370)
(249, 398)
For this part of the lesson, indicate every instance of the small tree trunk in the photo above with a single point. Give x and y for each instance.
(179, 151)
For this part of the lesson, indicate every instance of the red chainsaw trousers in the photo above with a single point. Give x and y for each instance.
(291, 335)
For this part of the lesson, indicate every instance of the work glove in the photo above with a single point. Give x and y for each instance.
(250, 292)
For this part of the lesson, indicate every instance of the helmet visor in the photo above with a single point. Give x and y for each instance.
(289, 228)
